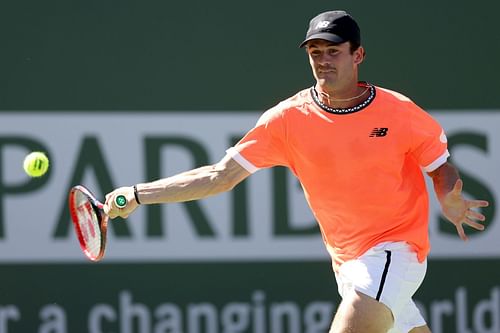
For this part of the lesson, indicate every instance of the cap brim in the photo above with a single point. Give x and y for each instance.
(326, 36)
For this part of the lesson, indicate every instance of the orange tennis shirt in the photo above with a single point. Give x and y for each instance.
(360, 168)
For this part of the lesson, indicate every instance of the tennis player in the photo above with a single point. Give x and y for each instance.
(358, 151)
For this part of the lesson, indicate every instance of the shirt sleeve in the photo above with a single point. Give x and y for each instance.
(264, 145)
(428, 140)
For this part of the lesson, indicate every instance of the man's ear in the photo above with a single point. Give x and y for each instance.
(359, 55)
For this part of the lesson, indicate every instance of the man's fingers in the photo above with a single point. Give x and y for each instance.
(471, 214)
(469, 220)
(461, 232)
(474, 224)
(111, 206)
(478, 203)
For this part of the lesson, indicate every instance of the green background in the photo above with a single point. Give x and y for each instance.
(226, 56)
(233, 55)
(76, 288)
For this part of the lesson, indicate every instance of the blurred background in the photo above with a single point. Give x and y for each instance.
(120, 92)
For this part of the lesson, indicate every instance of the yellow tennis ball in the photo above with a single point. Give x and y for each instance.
(36, 164)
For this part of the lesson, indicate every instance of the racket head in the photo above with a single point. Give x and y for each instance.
(89, 221)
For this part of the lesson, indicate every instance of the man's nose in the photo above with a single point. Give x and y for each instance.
(324, 59)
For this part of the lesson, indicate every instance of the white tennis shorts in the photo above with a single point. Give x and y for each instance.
(391, 274)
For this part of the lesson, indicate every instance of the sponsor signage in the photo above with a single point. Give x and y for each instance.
(243, 297)
(264, 218)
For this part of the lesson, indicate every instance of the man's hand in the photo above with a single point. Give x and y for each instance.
(459, 211)
(114, 211)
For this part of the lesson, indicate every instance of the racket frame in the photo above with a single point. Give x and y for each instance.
(102, 219)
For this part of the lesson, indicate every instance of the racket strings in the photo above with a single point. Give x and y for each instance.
(88, 223)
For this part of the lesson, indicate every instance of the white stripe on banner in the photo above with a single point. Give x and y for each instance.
(123, 147)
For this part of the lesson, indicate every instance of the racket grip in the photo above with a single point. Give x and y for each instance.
(120, 201)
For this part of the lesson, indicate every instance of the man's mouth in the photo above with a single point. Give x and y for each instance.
(326, 70)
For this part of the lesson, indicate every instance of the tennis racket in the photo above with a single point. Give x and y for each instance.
(90, 221)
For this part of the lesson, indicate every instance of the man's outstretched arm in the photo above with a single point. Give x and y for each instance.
(190, 185)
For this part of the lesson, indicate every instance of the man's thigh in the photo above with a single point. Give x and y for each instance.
(359, 313)
(387, 275)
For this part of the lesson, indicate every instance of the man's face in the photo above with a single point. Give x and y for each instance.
(333, 65)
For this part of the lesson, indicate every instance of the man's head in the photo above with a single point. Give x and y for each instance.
(333, 44)
(334, 26)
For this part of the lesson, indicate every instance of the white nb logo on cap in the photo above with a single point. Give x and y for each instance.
(322, 24)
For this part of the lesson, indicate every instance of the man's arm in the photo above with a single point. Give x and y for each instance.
(448, 188)
(190, 185)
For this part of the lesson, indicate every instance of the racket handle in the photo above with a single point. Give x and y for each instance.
(120, 201)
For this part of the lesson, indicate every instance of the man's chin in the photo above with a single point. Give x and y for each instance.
(325, 84)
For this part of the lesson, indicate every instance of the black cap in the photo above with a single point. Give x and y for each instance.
(335, 26)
